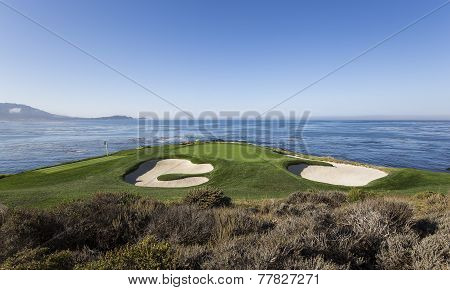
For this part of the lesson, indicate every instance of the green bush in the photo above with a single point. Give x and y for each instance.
(356, 194)
(147, 254)
(39, 259)
(207, 197)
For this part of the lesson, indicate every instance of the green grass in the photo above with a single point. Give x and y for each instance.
(243, 171)
(78, 164)
(177, 176)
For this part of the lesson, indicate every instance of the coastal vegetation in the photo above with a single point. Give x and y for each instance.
(206, 230)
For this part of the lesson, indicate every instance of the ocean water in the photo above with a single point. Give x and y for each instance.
(414, 144)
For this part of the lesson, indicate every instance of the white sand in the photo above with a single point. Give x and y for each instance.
(174, 166)
(341, 174)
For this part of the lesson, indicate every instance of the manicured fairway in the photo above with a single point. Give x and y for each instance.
(78, 164)
(243, 171)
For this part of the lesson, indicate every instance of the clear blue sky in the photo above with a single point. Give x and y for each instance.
(226, 55)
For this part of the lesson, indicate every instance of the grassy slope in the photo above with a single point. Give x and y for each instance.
(243, 171)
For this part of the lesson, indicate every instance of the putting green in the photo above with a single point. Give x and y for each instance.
(243, 171)
(78, 164)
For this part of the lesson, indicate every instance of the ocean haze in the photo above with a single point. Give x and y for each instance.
(20, 112)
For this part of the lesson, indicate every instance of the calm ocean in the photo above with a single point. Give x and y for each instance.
(416, 144)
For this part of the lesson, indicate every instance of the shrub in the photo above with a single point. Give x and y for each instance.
(207, 197)
(438, 200)
(313, 263)
(26, 229)
(39, 259)
(432, 253)
(233, 254)
(426, 194)
(309, 230)
(363, 226)
(235, 222)
(3, 210)
(190, 257)
(331, 199)
(147, 254)
(396, 252)
(389, 215)
(356, 194)
(432, 202)
(443, 222)
(272, 251)
(300, 209)
(104, 222)
(183, 224)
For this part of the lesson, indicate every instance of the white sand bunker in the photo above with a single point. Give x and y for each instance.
(342, 174)
(174, 166)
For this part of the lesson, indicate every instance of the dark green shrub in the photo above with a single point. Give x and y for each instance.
(39, 259)
(207, 197)
(26, 229)
(147, 254)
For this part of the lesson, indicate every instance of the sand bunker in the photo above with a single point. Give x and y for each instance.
(342, 174)
(339, 174)
(147, 174)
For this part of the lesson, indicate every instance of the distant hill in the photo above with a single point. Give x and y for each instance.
(18, 112)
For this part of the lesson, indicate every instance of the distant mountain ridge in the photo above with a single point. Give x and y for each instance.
(19, 112)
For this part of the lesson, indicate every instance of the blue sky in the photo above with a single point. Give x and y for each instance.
(226, 55)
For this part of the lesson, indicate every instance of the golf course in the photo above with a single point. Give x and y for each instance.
(243, 171)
